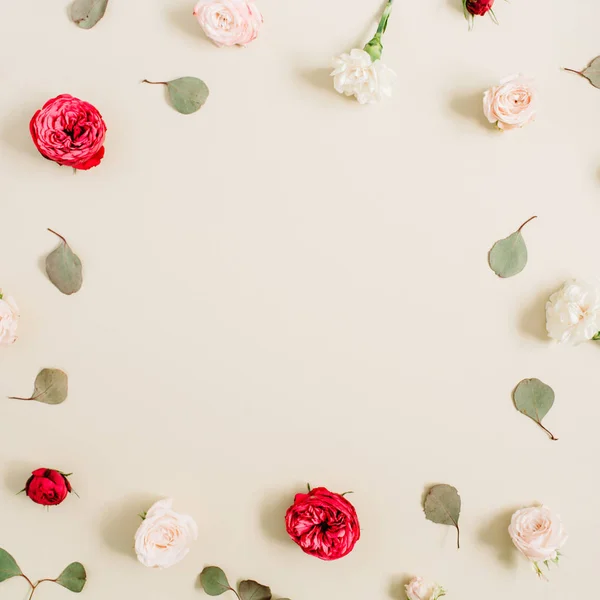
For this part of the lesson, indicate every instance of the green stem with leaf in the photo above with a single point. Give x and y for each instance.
(375, 46)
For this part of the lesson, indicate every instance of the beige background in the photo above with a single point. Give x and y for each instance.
(288, 287)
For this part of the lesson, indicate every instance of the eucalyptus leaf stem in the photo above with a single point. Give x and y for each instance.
(234, 591)
(34, 587)
(554, 439)
(457, 537)
(573, 71)
(155, 82)
(58, 234)
(528, 221)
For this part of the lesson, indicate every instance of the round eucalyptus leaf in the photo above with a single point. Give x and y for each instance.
(73, 577)
(214, 581)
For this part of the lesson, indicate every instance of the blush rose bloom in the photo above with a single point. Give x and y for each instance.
(512, 104)
(538, 533)
(355, 74)
(9, 320)
(573, 312)
(229, 22)
(164, 536)
(323, 524)
(48, 487)
(420, 589)
(70, 132)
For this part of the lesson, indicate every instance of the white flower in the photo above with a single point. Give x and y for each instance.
(163, 538)
(9, 320)
(573, 313)
(538, 533)
(356, 74)
(419, 589)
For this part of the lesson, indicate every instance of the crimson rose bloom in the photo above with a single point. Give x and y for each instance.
(323, 524)
(47, 487)
(478, 7)
(70, 132)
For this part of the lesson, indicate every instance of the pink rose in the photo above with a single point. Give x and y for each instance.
(512, 104)
(538, 533)
(229, 22)
(323, 524)
(70, 132)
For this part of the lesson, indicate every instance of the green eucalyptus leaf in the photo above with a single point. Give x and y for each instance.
(64, 268)
(214, 581)
(51, 387)
(252, 590)
(86, 13)
(187, 94)
(591, 72)
(534, 399)
(442, 505)
(508, 256)
(73, 577)
(8, 566)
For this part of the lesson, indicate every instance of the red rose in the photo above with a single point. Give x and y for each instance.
(47, 487)
(478, 7)
(323, 524)
(70, 132)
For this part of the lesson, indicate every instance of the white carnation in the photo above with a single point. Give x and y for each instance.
(356, 74)
(9, 320)
(573, 313)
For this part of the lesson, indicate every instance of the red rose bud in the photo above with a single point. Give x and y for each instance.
(478, 8)
(47, 487)
(323, 524)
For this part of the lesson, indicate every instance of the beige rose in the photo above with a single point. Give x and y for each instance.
(538, 533)
(229, 22)
(164, 537)
(511, 104)
(420, 589)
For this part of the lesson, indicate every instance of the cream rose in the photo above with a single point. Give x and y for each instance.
(356, 74)
(573, 312)
(229, 22)
(420, 589)
(538, 533)
(9, 320)
(164, 536)
(511, 104)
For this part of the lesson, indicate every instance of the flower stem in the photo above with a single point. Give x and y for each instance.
(155, 82)
(383, 22)
(375, 47)
(528, 221)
